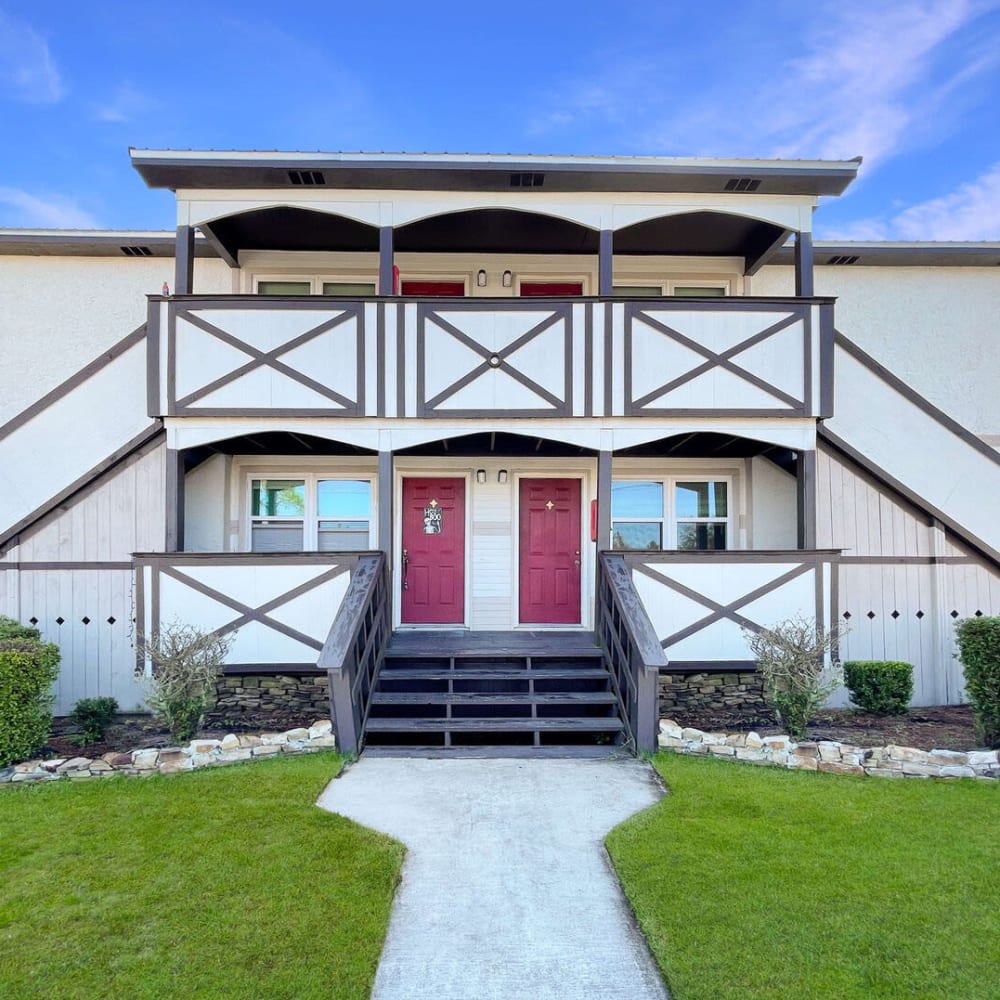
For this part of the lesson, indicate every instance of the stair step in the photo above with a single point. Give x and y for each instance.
(605, 725)
(569, 653)
(487, 698)
(496, 674)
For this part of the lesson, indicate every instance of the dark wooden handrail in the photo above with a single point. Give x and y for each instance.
(354, 649)
(632, 651)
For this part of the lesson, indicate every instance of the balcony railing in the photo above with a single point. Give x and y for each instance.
(508, 358)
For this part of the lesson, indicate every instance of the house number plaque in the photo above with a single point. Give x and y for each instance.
(432, 520)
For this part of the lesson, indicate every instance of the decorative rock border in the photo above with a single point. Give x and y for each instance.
(838, 758)
(167, 760)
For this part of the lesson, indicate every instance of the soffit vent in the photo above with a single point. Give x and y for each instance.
(306, 178)
(527, 180)
(136, 251)
(742, 184)
(844, 259)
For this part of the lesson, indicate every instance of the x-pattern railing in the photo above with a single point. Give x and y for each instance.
(494, 359)
(268, 359)
(717, 610)
(713, 359)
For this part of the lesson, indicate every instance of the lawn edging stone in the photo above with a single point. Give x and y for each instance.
(826, 755)
(230, 749)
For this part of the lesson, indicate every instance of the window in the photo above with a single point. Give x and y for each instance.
(699, 291)
(313, 513)
(670, 514)
(342, 288)
(637, 291)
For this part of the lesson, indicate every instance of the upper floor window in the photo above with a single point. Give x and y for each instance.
(313, 513)
(682, 289)
(675, 513)
(315, 286)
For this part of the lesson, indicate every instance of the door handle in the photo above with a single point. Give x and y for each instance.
(406, 566)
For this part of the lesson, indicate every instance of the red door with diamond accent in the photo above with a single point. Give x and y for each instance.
(549, 551)
(432, 572)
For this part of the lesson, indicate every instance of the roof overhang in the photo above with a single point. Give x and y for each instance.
(220, 170)
(94, 243)
(835, 254)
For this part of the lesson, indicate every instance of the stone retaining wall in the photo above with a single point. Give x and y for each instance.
(733, 692)
(838, 758)
(305, 694)
(167, 760)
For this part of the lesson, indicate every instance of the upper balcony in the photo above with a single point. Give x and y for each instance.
(462, 358)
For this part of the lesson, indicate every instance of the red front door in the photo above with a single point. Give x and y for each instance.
(433, 557)
(550, 551)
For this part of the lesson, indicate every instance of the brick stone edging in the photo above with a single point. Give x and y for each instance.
(825, 755)
(167, 760)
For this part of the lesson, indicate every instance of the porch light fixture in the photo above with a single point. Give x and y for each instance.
(502, 476)
(480, 476)
(481, 278)
(508, 279)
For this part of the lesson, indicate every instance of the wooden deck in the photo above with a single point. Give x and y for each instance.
(460, 642)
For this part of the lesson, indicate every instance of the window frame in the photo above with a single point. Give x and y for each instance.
(316, 282)
(669, 519)
(311, 517)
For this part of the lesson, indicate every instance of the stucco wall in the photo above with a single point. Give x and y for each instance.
(936, 328)
(58, 313)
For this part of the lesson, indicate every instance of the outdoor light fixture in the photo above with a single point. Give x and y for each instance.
(502, 476)
(480, 475)
(481, 278)
(508, 279)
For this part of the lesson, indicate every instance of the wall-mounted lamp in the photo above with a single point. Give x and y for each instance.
(508, 279)
(502, 476)
(480, 475)
(481, 278)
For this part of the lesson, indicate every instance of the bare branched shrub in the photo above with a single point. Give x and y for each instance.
(186, 664)
(791, 658)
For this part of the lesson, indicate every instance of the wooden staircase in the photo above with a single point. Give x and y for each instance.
(492, 693)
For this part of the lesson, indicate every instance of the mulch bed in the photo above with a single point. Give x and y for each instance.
(942, 727)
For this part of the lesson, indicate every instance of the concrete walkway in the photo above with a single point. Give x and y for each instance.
(507, 889)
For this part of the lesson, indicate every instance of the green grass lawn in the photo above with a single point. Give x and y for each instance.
(752, 882)
(221, 883)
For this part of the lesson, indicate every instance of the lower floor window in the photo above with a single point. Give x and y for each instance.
(670, 514)
(310, 514)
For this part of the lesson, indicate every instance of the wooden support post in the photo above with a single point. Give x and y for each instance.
(385, 257)
(804, 265)
(174, 499)
(184, 261)
(805, 487)
(385, 488)
(605, 263)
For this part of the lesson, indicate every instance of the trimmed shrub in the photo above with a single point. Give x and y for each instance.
(979, 651)
(93, 716)
(186, 664)
(881, 687)
(11, 629)
(790, 660)
(27, 669)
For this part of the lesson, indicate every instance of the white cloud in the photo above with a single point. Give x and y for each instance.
(126, 105)
(972, 212)
(27, 70)
(870, 80)
(21, 210)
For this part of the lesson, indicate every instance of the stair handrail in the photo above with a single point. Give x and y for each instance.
(632, 650)
(355, 648)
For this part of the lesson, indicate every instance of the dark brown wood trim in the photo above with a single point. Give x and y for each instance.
(604, 480)
(805, 484)
(753, 264)
(588, 360)
(271, 669)
(139, 621)
(939, 416)
(807, 363)
(171, 400)
(826, 360)
(635, 557)
(88, 477)
(908, 560)
(993, 555)
(804, 285)
(709, 667)
(184, 261)
(385, 260)
(174, 501)
(218, 246)
(347, 559)
(153, 308)
(605, 262)
(400, 359)
(835, 606)
(75, 380)
(608, 366)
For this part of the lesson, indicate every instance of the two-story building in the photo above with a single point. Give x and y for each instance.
(503, 414)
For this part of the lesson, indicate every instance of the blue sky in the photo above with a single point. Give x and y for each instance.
(913, 86)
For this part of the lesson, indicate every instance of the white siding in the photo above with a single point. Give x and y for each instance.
(773, 506)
